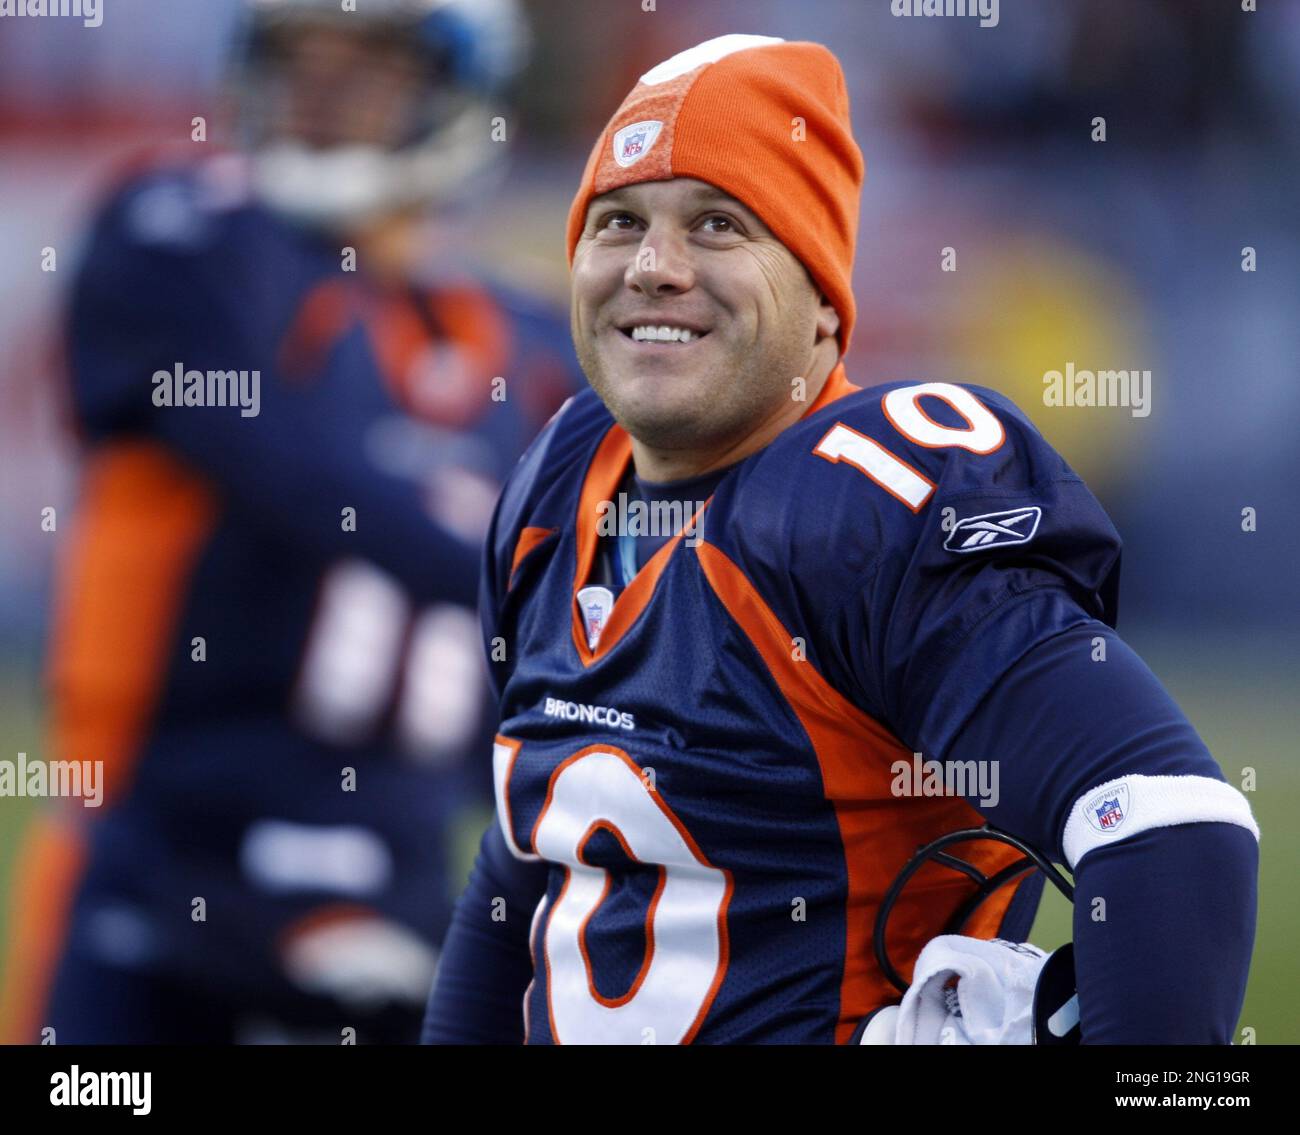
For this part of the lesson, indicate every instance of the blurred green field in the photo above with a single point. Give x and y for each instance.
(21, 731)
(1241, 701)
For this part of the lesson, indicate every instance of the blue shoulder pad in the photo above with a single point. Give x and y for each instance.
(145, 281)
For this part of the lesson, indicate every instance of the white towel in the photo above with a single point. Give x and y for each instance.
(965, 991)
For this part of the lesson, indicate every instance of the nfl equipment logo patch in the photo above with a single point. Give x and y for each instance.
(595, 603)
(994, 530)
(632, 143)
(1107, 810)
(1109, 814)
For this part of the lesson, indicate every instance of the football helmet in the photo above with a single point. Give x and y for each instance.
(351, 112)
(1055, 1010)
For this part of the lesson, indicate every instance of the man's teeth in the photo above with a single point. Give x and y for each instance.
(664, 334)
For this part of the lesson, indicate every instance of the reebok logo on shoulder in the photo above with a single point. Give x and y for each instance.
(994, 529)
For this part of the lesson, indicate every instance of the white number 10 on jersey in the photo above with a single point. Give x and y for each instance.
(598, 789)
(983, 434)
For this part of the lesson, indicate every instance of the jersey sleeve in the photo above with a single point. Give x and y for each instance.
(1075, 731)
(1008, 549)
(919, 539)
(486, 965)
(511, 538)
(156, 292)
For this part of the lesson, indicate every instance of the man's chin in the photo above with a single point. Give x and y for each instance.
(666, 424)
(658, 407)
(644, 392)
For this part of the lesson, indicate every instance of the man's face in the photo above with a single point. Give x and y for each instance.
(339, 87)
(684, 254)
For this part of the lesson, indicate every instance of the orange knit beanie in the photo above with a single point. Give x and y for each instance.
(764, 120)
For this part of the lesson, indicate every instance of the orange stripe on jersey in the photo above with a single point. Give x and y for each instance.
(398, 336)
(879, 831)
(45, 880)
(324, 917)
(324, 316)
(603, 476)
(142, 522)
(449, 380)
(529, 538)
(473, 319)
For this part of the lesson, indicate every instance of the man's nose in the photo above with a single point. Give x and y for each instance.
(662, 264)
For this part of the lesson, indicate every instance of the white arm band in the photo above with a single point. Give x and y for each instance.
(1128, 805)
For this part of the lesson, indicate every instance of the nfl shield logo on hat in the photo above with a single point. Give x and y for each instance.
(632, 143)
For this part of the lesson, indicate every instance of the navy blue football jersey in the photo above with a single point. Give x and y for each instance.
(709, 767)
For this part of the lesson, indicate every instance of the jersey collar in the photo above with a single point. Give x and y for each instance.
(605, 473)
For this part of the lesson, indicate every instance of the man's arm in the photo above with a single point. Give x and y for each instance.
(973, 630)
(486, 964)
(1164, 909)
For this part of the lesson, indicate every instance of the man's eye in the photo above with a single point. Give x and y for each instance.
(612, 221)
(719, 219)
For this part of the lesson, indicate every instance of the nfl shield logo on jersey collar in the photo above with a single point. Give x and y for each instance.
(994, 529)
(596, 603)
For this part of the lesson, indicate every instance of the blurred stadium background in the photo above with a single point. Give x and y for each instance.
(1122, 254)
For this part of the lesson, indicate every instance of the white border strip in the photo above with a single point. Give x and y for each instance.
(1128, 805)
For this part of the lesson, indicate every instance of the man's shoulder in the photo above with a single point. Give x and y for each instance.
(905, 444)
(542, 490)
(161, 208)
(931, 426)
(563, 448)
(179, 241)
(871, 475)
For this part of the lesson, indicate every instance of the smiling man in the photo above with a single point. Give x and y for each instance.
(699, 812)
(692, 346)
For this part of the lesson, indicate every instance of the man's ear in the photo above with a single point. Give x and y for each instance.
(828, 319)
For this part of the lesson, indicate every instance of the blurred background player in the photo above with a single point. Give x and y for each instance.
(263, 620)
